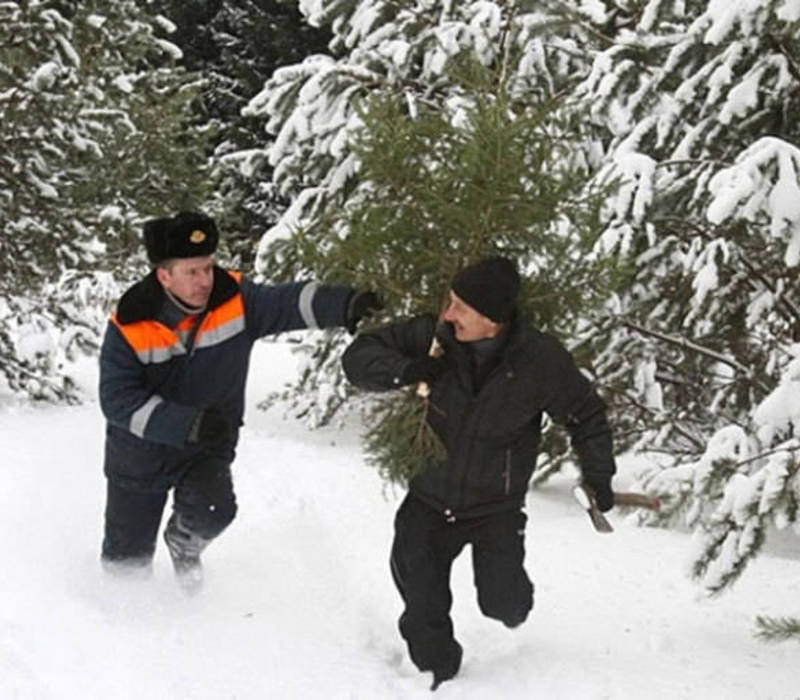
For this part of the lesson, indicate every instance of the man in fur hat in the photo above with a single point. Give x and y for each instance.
(173, 368)
(495, 377)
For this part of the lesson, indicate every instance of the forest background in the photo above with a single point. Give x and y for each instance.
(640, 160)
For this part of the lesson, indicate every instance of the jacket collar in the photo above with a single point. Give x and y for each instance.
(145, 299)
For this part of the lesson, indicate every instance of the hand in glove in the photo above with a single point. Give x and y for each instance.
(600, 487)
(422, 369)
(360, 305)
(209, 426)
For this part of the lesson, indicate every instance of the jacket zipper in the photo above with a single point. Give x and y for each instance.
(465, 453)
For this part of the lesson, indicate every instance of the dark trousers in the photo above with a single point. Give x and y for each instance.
(203, 501)
(424, 548)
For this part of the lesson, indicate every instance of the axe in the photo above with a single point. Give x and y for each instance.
(585, 497)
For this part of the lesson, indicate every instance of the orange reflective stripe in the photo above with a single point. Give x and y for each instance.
(230, 310)
(154, 342)
(186, 324)
(145, 335)
(222, 324)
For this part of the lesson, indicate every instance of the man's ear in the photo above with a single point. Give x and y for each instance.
(162, 275)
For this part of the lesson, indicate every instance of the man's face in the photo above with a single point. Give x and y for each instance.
(189, 279)
(468, 323)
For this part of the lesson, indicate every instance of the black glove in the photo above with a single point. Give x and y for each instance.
(360, 305)
(211, 426)
(601, 488)
(423, 369)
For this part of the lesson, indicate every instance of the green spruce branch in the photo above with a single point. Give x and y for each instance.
(777, 629)
(399, 441)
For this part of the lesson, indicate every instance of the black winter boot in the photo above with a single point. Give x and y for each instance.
(447, 670)
(184, 549)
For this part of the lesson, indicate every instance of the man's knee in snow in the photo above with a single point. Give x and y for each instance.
(511, 610)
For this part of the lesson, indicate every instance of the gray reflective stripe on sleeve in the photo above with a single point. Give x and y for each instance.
(305, 304)
(142, 414)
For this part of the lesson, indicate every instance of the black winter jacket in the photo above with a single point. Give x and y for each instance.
(491, 433)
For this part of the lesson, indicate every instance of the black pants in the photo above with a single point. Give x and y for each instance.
(203, 500)
(425, 546)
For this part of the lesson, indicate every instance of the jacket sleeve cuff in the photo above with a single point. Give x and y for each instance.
(327, 306)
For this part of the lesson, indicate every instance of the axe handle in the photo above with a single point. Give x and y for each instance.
(639, 500)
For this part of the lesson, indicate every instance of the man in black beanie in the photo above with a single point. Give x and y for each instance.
(173, 368)
(488, 387)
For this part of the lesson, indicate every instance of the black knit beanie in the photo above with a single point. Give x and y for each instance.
(489, 286)
(186, 235)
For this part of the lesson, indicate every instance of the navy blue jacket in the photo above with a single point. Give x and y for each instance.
(159, 367)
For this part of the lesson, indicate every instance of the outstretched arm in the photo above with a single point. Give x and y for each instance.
(275, 308)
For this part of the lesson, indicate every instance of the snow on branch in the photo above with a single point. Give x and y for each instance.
(294, 218)
(284, 80)
(45, 76)
(635, 193)
(779, 412)
(789, 11)
(736, 530)
(722, 17)
(689, 345)
(743, 484)
(168, 48)
(763, 182)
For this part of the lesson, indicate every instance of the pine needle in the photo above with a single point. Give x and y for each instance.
(401, 443)
(777, 629)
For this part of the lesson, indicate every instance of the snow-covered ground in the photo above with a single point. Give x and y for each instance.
(299, 603)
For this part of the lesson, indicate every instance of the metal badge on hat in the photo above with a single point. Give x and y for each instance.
(197, 236)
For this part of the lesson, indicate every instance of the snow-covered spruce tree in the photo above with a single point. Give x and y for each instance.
(698, 100)
(236, 46)
(438, 138)
(405, 47)
(82, 88)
